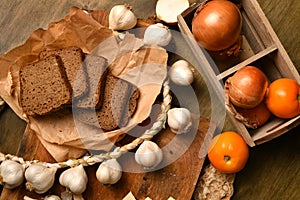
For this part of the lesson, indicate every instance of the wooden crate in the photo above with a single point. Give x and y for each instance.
(261, 48)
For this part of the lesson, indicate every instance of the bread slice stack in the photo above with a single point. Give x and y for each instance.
(119, 103)
(71, 58)
(66, 78)
(96, 72)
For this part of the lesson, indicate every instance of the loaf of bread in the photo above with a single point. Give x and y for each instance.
(44, 87)
(96, 68)
(119, 102)
(72, 58)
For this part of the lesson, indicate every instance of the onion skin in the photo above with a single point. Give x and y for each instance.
(256, 116)
(247, 87)
(217, 25)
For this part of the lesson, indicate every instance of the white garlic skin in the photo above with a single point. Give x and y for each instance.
(11, 174)
(75, 179)
(28, 198)
(109, 172)
(157, 34)
(181, 73)
(39, 178)
(52, 197)
(179, 120)
(121, 18)
(148, 154)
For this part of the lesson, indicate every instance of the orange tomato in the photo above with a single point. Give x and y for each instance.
(256, 116)
(228, 152)
(283, 98)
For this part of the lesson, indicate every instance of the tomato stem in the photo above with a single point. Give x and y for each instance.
(227, 158)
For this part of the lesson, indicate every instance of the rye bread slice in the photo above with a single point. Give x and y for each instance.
(117, 97)
(72, 58)
(44, 87)
(96, 68)
(130, 106)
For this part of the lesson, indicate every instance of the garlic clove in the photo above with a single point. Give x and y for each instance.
(157, 34)
(181, 73)
(66, 195)
(75, 179)
(77, 197)
(28, 198)
(148, 154)
(109, 172)
(39, 178)
(52, 197)
(121, 17)
(179, 120)
(11, 174)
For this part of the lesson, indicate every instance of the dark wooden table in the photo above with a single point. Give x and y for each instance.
(273, 170)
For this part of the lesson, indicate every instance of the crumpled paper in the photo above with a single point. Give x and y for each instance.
(61, 135)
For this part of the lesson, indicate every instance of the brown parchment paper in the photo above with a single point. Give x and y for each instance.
(128, 58)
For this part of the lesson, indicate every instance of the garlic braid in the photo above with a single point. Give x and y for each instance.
(116, 153)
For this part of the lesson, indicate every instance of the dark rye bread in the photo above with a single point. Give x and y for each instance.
(44, 87)
(130, 106)
(96, 68)
(72, 58)
(118, 104)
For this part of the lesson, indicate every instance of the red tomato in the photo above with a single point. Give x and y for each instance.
(283, 98)
(228, 152)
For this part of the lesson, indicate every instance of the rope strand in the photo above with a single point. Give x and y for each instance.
(116, 153)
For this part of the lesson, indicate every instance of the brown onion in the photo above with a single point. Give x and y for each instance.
(247, 87)
(217, 25)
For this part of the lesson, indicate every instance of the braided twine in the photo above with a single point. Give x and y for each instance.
(116, 153)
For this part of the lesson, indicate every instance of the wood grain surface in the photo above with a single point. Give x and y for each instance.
(175, 177)
(273, 169)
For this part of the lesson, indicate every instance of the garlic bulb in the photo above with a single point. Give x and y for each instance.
(148, 154)
(179, 120)
(39, 178)
(157, 34)
(11, 174)
(52, 197)
(109, 172)
(121, 17)
(28, 198)
(75, 179)
(181, 73)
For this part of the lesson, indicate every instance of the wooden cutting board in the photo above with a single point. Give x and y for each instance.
(177, 179)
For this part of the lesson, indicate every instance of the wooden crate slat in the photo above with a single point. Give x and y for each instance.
(252, 35)
(204, 65)
(268, 35)
(278, 130)
(259, 21)
(250, 60)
